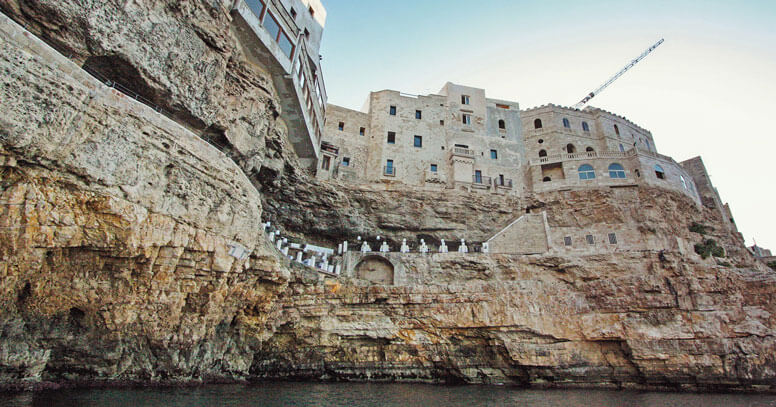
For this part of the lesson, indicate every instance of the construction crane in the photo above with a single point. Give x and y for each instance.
(617, 75)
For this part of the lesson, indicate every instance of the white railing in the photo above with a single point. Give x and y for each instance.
(463, 151)
(585, 155)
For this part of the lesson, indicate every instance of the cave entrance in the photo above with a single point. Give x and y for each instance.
(376, 269)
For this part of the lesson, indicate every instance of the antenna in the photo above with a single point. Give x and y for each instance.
(617, 75)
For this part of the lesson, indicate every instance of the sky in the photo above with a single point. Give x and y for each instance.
(708, 90)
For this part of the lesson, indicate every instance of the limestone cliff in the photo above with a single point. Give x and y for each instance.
(122, 234)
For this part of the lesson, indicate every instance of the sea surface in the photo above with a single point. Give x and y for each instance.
(369, 395)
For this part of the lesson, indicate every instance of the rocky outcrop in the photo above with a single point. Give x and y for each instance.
(131, 249)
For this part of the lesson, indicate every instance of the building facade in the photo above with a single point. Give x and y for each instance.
(460, 139)
(283, 37)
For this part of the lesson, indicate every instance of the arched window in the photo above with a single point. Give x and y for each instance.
(586, 171)
(570, 148)
(590, 150)
(684, 183)
(616, 130)
(538, 123)
(616, 171)
(542, 153)
(585, 126)
(502, 124)
(622, 149)
(546, 179)
(659, 172)
(638, 173)
(566, 123)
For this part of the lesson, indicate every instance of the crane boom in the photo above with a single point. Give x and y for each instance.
(617, 75)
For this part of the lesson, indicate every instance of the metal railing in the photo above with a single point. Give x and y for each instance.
(481, 180)
(389, 171)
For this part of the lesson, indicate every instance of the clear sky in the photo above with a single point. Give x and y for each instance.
(709, 90)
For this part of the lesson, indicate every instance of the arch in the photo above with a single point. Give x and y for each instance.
(546, 179)
(616, 171)
(616, 130)
(542, 153)
(586, 171)
(659, 172)
(638, 173)
(566, 123)
(376, 269)
(538, 123)
(502, 124)
(590, 150)
(585, 126)
(570, 148)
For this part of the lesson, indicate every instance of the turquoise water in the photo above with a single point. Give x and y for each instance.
(369, 395)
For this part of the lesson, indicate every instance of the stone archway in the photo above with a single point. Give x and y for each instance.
(376, 269)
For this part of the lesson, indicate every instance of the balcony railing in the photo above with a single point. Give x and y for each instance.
(585, 155)
(389, 171)
(461, 151)
(481, 180)
(502, 183)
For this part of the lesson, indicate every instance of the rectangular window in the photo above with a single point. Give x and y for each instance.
(346, 161)
(433, 168)
(306, 34)
(466, 119)
(567, 240)
(478, 177)
(341, 126)
(392, 111)
(612, 238)
(326, 162)
(441, 122)
(494, 154)
(312, 12)
(271, 25)
(391, 137)
(418, 114)
(590, 239)
(464, 99)
(500, 106)
(293, 13)
(257, 6)
(389, 170)
(418, 141)
(361, 131)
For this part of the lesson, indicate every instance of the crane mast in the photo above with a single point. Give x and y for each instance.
(617, 75)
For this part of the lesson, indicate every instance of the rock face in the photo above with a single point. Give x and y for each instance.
(117, 225)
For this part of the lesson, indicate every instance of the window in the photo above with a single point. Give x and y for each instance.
(570, 148)
(622, 149)
(418, 141)
(312, 12)
(389, 170)
(590, 239)
(293, 13)
(540, 141)
(467, 119)
(346, 161)
(418, 114)
(659, 173)
(638, 173)
(494, 154)
(341, 126)
(306, 34)
(567, 240)
(616, 130)
(326, 162)
(616, 171)
(478, 177)
(586, 171)
(538, 123)
(500, 106)
(566, 123)
(590, 150)
(647, 142)
(392, 111)
(502, 124)
(391, 137)
(546, 179)
(273, 27)
(257, 7)
(464, 99)
(612, 238)
(585, 127)
(361, 131)
(542, 153)
(433, 168)
(684, 183)
(441, 122)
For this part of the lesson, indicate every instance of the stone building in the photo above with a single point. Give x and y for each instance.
(460, 139)
(284, 37)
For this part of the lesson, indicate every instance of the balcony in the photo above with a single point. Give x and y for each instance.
(502, 182)
(389, 171)
(481, 181)
(585, 155)
(462, 152)
(271, 39)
